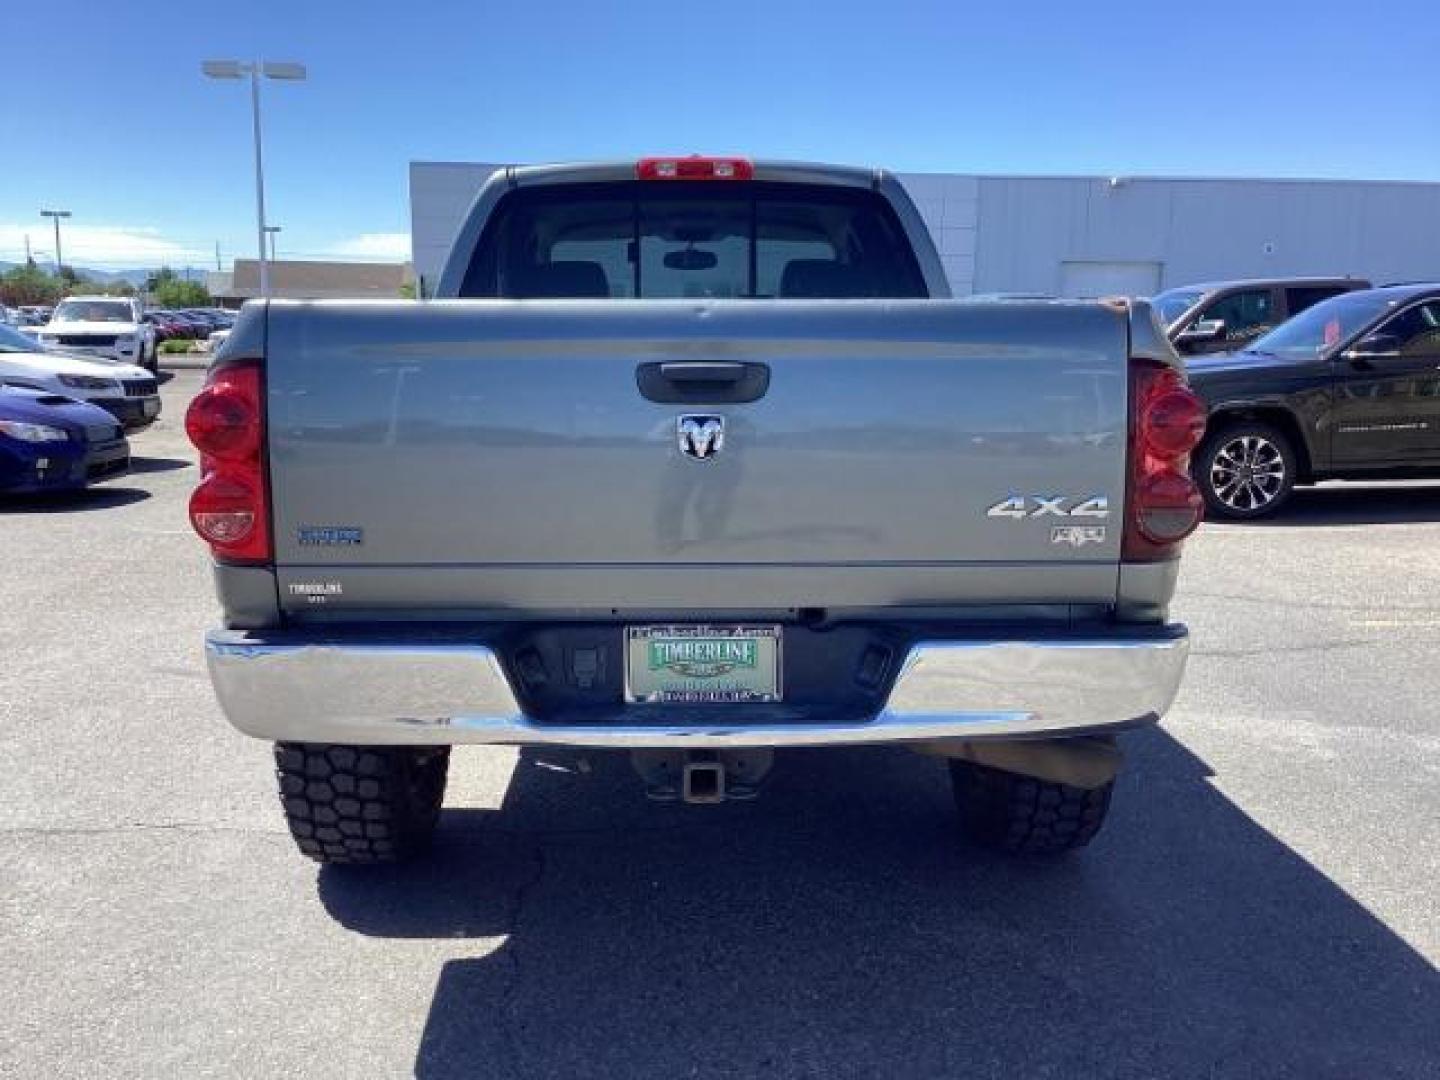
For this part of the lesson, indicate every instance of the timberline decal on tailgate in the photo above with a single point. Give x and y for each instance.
(316, 592)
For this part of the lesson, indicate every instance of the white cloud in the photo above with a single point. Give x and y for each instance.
(382, 245)
(105, 246)
(95, 245)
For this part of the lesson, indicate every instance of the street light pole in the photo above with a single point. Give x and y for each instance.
(259, 179)
(57, 215)
(235, 69)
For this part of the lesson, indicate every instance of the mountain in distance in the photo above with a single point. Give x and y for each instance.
(134, 275)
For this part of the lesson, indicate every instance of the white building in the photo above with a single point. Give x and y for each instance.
(1095, 235)
(309, 279)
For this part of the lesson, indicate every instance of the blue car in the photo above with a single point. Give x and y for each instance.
(54, 443)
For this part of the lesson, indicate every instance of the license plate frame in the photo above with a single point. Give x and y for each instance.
(744, 660)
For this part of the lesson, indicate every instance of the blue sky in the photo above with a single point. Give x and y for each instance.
(103, 109)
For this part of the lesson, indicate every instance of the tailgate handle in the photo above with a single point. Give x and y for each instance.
(693, 371)
(719, 381)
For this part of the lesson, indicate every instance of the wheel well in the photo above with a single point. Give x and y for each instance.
(1279, 418)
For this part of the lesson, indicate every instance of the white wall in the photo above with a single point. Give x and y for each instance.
(1044, 234)
(950, 205)
(1200, 230)
(440, 194)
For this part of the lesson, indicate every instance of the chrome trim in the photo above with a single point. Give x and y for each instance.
(398, 693)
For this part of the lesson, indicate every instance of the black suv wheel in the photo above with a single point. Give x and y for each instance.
(1245, 470)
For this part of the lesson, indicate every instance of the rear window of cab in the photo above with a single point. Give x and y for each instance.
(696, 240)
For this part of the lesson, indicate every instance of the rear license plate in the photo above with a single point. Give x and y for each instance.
(702, 665)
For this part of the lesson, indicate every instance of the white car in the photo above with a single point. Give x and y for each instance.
(129, 393)
(112, 327)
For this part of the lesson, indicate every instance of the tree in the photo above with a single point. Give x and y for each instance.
(28, 284)
(160, 277)
(23, 285)
(176, 293)
(118, 287)
(169, 289)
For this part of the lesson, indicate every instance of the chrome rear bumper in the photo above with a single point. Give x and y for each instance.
(393, 692)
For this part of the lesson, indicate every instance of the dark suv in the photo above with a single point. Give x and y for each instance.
(1347, 390)
(1222, 316)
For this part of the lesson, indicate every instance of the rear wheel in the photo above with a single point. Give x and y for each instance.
(361, 804)
(1022, 815)
(1245, 470)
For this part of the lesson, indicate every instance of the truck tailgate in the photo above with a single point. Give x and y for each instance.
(469, 456)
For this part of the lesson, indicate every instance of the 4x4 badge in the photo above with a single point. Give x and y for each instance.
(1019, 507)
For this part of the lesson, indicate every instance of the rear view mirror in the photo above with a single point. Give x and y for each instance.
(1204, 330)
(1372, 347)
(690, 259)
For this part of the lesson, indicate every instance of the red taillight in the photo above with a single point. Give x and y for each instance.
(226, 422)
(694, 167)
(228, 512)
(1167, 420)
(224, 419)
(1173, 421)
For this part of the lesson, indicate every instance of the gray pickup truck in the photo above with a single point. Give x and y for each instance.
(696, 459)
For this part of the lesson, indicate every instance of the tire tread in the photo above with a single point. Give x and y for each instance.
(1023, 815)
(360, 804)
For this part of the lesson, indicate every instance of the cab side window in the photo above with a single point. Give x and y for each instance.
(1246, 314)
(1302, 297)
(1416, 331)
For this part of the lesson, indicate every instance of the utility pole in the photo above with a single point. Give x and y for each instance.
(28, 257)
(235, 69)
(217, 256)
(57, 215)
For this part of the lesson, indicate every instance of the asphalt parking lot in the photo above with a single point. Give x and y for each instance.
(1264, 901)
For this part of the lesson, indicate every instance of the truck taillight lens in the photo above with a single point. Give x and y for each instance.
(226, 422)
(694, 168)
(224, 419)
(1162, 505)
(225, 510)
(1173, 419)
